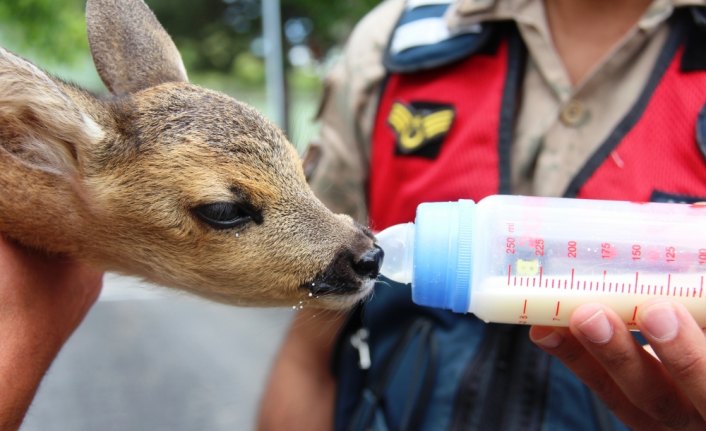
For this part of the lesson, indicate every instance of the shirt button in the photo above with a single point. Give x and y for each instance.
(574, 113)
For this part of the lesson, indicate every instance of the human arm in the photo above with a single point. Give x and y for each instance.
(301, 387)
(643, 391)
(42, 301)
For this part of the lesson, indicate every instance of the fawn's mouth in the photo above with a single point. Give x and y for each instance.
(348, 274)
(337, 297)
(324, 289)
(347, 279)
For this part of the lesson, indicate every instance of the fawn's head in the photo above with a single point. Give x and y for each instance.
(183, 186)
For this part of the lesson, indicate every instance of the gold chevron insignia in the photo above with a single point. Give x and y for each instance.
(415, 129)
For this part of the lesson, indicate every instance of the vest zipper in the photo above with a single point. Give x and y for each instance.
(504, 386)
(359, 340)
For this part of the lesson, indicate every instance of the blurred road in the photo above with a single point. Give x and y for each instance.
(148, 359)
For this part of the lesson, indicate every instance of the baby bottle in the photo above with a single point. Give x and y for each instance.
(532, 260)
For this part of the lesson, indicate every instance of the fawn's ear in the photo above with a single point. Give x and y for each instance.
(40, 125)
(130, 48)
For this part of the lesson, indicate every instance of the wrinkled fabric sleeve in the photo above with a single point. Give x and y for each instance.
(337, 161)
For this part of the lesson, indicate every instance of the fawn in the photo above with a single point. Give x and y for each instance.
(182, 186)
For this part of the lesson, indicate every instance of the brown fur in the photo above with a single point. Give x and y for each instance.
(115, 181)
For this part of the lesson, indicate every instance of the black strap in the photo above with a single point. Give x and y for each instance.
(424, 366)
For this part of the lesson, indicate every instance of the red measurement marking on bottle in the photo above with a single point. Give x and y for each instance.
(539, 247)
(571, 249)
(604, 274)
(556, 312)
(541, 272)
(637, 275)
(572, 278)
(636, 252)
(509, 272)
(510, 245)
(634, 315)
(669, 281)
(524, 307)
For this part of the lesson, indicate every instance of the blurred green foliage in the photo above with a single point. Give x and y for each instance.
(51, 29)
(215, 32)
(51, 34)
(332, 20)
(211, 34)
(219, 40)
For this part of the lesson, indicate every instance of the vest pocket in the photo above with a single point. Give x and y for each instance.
(674, 198)
(408, 374)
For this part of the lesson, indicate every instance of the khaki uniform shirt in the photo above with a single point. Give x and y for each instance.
(559, 125)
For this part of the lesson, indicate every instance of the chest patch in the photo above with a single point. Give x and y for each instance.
(420, 127)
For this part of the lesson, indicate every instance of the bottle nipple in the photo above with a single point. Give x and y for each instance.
(398, 244)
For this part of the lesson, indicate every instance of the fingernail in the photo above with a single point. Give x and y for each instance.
(660, 321)
(547, 338)
(596, 327)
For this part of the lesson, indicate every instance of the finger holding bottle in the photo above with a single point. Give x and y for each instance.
(560, 343)
(666, 391)
(680, 344)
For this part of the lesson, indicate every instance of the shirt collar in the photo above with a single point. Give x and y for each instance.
(462, 13)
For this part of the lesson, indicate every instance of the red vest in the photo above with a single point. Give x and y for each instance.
(653, 151)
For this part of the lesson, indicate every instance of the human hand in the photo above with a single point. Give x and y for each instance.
(664, 391)
(42, 301)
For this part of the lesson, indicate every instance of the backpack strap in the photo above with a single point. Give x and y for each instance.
(694, 58)
(422, 39)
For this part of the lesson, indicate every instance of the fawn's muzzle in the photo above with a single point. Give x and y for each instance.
(349, 273)
(369, 263)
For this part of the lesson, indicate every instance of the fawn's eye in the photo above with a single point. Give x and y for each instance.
(228, 215)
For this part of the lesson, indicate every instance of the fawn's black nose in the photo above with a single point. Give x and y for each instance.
(369, 263)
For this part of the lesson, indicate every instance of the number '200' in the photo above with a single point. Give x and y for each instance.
(571, 249)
